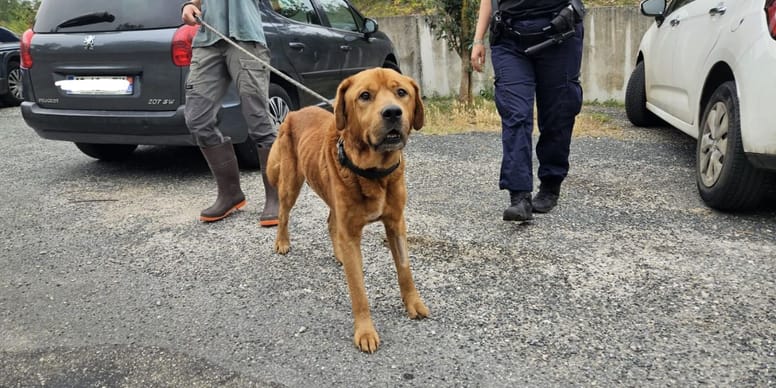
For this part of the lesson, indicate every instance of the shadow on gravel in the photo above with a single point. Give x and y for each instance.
(152, 161)
(115, 366)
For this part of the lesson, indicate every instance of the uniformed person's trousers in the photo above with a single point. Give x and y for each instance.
(551, 79)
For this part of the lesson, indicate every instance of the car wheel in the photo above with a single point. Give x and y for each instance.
(636, 100)
(392, 65)
(279, 104)
(14, 96)
(107, 152)
(726, 179)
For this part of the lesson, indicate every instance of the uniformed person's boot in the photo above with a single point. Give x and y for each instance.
(223, 164)
(546, 198)
(520, 208)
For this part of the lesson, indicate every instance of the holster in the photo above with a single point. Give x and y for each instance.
(496, 27)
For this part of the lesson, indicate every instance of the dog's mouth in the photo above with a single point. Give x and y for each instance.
(393, 140)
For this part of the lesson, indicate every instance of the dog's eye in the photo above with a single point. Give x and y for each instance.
(401, 92)
(365, 96)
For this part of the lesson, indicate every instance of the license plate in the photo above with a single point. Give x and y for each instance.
(97, 85)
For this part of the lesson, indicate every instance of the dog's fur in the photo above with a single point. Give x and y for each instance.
(374, 112)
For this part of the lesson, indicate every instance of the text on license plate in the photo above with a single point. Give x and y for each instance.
(97, 85)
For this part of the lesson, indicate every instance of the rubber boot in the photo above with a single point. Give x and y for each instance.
(223, 164)
(520, 208)
(269, 216)
(546, 198)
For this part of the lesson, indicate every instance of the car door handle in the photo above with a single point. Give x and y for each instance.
(718, 10)
(296, 45)
(675, 22)
(345, 47)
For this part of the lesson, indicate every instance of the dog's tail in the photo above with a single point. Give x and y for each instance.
(275, 154)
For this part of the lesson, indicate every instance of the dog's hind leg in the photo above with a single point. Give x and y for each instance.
(289, 185)
(396, 231)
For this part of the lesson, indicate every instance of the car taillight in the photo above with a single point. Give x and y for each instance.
(25, 49)
(770, 16)
(181, 45)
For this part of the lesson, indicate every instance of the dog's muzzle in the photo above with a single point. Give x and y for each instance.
(392, 135)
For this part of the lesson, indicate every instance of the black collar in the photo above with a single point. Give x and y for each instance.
(369, 173)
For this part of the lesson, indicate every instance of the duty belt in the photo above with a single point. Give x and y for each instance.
(529, 39)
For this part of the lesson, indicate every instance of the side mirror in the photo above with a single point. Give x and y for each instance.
(370, 26)
(654, 8)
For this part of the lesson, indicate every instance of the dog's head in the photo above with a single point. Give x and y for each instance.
(381, 105)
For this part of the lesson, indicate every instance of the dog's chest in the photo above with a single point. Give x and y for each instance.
(374, 209)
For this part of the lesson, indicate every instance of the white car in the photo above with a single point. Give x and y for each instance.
(708, 68)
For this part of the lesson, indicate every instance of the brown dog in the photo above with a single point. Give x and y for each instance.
(353, 160)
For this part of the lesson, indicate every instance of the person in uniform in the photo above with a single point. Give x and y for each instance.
(549, 77)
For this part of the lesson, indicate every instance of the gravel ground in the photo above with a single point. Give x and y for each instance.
(108, 279)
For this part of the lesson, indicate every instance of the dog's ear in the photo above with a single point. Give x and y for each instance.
(340, 110)
(418, 117)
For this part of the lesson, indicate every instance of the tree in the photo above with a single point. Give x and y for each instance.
(455, 21)
(18, 15)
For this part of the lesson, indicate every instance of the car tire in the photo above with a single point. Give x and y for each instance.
(107, 152)
(280, 104)
(392, 65)
(636, 100)
(726, 180)
(14, 77)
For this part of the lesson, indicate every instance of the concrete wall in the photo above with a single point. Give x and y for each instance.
(612, 36)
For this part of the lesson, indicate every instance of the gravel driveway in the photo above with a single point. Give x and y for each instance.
(108, 279)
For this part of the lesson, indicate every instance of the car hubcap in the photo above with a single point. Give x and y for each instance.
(15, 83)
(278, 109)
(714, 144)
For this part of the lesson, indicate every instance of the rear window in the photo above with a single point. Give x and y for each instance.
(102, 15)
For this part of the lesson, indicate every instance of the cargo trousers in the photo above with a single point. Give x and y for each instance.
(212, 69)
(550, 78)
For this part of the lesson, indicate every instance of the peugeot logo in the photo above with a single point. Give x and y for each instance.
(89, 42)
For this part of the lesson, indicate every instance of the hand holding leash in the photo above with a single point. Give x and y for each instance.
(189, 15)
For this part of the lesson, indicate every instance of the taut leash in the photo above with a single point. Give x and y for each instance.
(294, 82)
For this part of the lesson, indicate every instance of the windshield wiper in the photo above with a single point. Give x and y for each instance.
(86, 19)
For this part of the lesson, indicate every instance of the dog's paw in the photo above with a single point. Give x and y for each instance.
(367, 339)
(282, 247)
(416, 309)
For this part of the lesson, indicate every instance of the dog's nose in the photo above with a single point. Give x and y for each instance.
(392, 113)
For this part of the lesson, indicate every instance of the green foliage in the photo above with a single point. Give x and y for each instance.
(383, 8)
(454, 21)
(18, 15)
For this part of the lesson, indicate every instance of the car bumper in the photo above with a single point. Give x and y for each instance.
(3, 85)
(108, 127)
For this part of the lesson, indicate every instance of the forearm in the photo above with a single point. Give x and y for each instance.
(483, 20)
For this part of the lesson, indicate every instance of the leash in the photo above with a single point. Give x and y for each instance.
(326, 101)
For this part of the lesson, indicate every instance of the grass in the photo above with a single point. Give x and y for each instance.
(382, 8)
(445, 116)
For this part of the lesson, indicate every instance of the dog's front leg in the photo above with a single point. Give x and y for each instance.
(348, 250)
(396, 232)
